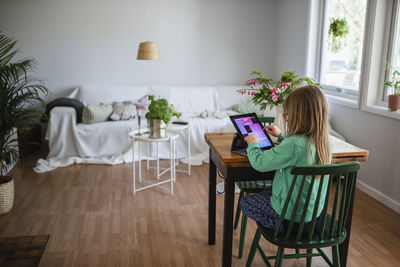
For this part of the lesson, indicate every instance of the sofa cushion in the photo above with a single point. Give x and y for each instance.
(96, 113)
(192, 99)
(228, 96)
(93, 94)
(123, 111)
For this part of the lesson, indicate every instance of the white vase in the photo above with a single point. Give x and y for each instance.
(279, 121)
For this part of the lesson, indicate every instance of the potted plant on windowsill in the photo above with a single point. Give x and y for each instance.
(19, 92)
(393, 86)
(159, 115)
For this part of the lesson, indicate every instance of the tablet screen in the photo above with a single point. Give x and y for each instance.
(250, 125)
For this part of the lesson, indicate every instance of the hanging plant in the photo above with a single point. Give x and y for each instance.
(338, 29)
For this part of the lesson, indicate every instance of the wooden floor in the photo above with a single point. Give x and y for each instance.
(94, 220)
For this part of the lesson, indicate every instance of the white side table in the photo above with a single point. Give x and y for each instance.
(171, 138)
(174, 129)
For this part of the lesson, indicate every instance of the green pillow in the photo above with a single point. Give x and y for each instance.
(248, 107)
(96, 113)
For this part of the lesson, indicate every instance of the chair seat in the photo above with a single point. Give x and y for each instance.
(254, 186)
(303, 243)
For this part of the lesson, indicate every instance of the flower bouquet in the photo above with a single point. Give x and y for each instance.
(269, 93)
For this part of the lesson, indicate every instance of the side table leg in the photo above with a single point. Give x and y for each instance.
(148, 154)
(158, 163)
(140, 162)
(172, 164)
(134, 167)
(188, 129)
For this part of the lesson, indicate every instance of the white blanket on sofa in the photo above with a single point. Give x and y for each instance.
(111, 140)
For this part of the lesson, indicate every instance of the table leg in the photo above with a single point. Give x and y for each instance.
(344, 246)
(228, 222)
(212, 201)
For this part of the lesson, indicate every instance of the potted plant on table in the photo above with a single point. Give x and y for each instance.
(160, 113)
(266, 92)
(19, 92)
(394, 85)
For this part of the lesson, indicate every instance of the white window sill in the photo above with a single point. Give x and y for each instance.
(342, 101)
(380, 110)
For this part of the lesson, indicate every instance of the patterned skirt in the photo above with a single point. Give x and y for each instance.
(258, 207)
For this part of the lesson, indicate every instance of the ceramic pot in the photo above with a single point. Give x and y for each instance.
(6, 194)
(158, 129)
(394, 102)
(279, 121)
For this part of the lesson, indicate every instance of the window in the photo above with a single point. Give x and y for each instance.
(394, 47)
(340, 70)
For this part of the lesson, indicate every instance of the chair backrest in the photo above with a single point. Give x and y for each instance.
(335, 205)
(265, 120)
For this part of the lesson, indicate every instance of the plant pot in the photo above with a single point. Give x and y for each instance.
(394, 102)
(6, 194)
(158, 129)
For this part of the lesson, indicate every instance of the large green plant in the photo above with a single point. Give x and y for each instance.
(161, 109)
(19, 92)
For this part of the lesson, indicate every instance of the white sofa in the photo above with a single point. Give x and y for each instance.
(207, 109)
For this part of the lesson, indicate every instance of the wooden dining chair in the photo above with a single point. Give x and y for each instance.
(331, 231)
(249, 187)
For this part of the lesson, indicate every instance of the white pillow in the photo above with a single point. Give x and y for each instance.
(94, 94)
(193, 99)
(228, 96)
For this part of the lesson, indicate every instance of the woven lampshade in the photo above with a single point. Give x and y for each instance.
(148, 51)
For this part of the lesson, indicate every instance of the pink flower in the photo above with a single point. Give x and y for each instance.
(260, 82)
(277, 86)
(252, 82)
(248, 92)
(274, 97)
(253, 93)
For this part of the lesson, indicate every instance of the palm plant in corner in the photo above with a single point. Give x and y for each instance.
(19, 93)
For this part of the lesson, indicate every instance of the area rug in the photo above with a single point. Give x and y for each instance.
(22, 250)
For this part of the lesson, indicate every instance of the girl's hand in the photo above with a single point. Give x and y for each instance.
(251, 138)
(273, 130)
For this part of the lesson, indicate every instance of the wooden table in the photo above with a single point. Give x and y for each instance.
(235, 168)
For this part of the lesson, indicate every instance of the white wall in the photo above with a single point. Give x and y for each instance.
(290, 36)
(202, 42)
(380, 176)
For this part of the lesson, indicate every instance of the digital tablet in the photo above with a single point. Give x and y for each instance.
(246, 124)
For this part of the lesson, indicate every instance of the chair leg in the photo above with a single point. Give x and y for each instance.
(253, 249)
(335, 256)
(238, 210)
(242, 235)
(309, 258)
(279, 257)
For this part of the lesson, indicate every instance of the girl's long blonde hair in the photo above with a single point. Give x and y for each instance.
(306, 113)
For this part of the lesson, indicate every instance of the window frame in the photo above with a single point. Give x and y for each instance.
(336, 92)
(394, 35)
(377, 46)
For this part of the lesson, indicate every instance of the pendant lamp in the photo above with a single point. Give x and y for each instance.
(148, 51)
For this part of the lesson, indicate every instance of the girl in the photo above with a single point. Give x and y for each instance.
(305, 141)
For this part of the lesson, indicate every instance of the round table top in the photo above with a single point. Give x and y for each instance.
(145, 137)
(177, 127)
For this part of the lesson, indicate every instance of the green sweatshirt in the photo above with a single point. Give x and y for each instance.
(292, 151)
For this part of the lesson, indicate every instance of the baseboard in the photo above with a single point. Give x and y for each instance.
(387, 201)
